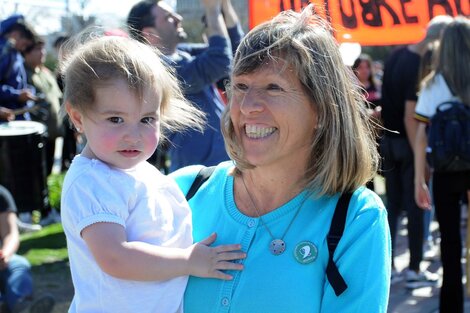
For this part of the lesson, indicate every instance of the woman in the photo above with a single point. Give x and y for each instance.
(370, 87)
(449, 81)
(363, 69)
(298, 135)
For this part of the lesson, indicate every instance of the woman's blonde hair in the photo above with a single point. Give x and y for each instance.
(96, 61)
(343, 149)
(453, 60)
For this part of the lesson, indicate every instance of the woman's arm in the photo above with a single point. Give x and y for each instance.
(422, 194)
(145, 262)
(363, 258)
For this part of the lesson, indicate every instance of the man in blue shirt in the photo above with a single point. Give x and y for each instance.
(15, 37)
(198, 68)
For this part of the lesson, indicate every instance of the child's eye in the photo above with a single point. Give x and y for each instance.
(115, 119)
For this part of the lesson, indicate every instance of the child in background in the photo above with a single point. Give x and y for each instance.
(128, 226)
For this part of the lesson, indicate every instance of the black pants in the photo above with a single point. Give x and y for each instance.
(69, 148)
(448, 189)
(398, 170)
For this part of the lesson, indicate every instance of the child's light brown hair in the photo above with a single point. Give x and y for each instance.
(96, 62)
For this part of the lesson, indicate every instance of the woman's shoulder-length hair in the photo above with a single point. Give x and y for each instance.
(343, 154)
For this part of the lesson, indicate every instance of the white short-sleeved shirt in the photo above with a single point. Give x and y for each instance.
(431, 97)
(149, 206)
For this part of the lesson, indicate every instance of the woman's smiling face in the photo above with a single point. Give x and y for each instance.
(272, 115)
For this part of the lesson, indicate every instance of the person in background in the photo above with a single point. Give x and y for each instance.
(16, 282)
(235, 33)
(363, 69)
(128, 226)
(45, 83)
(399, 97)
(295, 128)
(69, 146)
(49, 96)
(15, 37)
(450, 80)
(426, 66)
(156, 23)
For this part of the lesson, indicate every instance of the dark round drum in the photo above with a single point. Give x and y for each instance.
(23, 164)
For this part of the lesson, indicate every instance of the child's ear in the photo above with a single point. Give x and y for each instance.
(75, 116)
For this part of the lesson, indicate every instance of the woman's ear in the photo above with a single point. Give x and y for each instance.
(75, 116)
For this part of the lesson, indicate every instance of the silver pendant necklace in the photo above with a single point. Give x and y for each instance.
(277, 245)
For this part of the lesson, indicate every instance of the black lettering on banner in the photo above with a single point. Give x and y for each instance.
(458, 6)
(445, 5)
(408, 19)
(291, 5)
(348, 21)
(371, 12)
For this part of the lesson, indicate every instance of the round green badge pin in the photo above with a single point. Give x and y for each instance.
(305, 252)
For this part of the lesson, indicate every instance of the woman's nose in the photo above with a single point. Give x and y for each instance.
(251, 102)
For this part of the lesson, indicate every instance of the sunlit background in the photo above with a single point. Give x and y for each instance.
(52, 16)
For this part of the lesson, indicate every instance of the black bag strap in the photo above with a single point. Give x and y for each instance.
(201, 177)
(334, 235)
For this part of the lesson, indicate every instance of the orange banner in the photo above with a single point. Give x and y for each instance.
(368, 22)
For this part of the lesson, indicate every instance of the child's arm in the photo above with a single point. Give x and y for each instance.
(145, 262)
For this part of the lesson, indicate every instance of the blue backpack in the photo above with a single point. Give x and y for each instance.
(449, 138)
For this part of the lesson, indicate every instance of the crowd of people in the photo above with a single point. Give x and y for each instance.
(275, 138)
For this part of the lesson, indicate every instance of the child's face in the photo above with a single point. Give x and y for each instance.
(120, 130)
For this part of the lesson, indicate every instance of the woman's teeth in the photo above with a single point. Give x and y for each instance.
(253, 131)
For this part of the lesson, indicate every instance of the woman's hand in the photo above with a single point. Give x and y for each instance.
(206, 261)
(422, 196)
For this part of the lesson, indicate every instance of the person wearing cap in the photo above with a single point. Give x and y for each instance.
(15, 37)
(156, 23)
(47, 89)
(399, 96)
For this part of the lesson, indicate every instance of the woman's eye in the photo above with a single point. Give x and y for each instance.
(148, 120)
(274, 87)
(240, 87)
(115, 119)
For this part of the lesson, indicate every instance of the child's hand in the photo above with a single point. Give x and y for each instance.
(205, 261)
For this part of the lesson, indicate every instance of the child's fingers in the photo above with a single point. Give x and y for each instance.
(227, 248)
(209, 240)
(221, 275)
(230, 256)
(224, 265)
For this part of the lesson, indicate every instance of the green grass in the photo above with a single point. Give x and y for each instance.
(45, 246)
(54, 184)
